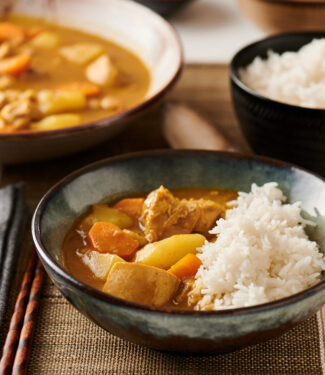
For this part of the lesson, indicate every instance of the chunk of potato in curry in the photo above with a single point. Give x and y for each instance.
(141, 283)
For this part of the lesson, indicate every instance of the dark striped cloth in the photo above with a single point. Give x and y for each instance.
(13, 220)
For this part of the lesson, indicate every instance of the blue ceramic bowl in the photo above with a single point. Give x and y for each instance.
(167, 328)
(287, 132)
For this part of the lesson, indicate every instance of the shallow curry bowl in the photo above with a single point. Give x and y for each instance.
(273, 128)
(127, 24)
(167, 328)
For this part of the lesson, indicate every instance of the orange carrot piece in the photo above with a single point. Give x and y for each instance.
(186, 267)
(87, 88)
(14, 65)
(9, 30)
(130, 206)
(109, 238)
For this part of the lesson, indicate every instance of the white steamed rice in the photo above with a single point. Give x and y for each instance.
(261, 254)
(296, 78)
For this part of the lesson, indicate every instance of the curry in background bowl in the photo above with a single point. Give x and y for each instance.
(52, 77)
(76, 74)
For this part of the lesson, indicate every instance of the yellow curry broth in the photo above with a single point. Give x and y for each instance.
(75, 241)
(48, 69)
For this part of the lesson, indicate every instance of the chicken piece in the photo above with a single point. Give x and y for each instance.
(156, 210)
(210, 211)
(102, 71)
(164, 215)
(16, 109)
(141, 283)
(110, 103)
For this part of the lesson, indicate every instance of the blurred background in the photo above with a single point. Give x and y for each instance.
(219, 23)
(225, 26)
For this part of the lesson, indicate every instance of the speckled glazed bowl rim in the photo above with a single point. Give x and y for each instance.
(110, 120)
(236, 79)
(69, 279)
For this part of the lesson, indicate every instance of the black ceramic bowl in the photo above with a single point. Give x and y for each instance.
(168, 328)
(280, 130)
(163, 7)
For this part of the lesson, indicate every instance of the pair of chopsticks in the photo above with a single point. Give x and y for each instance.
(18, 342)
(13, 221)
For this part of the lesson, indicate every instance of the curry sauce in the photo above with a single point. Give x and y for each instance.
(53, 77)
(77, 242)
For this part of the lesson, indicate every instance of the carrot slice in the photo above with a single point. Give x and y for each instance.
(9, 30)
(130, 206)
(14, 65)
(87, 88)
(109, 238)
(186, 267)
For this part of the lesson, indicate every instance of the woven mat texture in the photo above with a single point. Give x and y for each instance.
(66, 342)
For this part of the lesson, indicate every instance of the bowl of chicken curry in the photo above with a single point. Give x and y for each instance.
(121, 240)
(74, 75)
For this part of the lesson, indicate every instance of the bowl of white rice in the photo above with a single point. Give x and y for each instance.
(278, 91)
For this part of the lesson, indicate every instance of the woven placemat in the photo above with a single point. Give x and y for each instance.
(66, 342)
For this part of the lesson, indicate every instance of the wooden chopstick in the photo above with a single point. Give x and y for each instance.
(10, 345)
(26, 334)
(18, 341)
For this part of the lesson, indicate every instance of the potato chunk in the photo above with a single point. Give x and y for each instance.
(57, 122)
(101, 212)
(45, 40)
(102, 71)
(141, 283)
(60, 101)
(82, 53)
(100, 264)
(167, 252)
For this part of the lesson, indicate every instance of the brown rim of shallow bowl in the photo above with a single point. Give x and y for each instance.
(235, 76)
(48, 260)
(109, 120)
